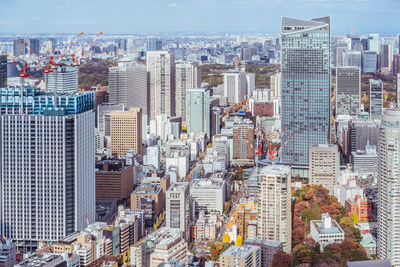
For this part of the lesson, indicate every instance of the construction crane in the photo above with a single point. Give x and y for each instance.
(22, 74)
(91, 44)
(32, 53)
(71, 45)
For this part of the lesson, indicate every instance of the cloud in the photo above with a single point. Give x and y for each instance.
(173, 4)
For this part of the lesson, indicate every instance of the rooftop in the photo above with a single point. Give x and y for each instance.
(240, 252)
(275, 169)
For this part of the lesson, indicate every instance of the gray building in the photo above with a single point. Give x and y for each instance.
(179, 206)
(365, 161)
(3, 71)
(375, 99)
(19, 48)
(305, 87)
(103, 116)
(348, 91)
(154, 44)
(352, 58)
(369, 62)
(268, 249)
(361, 133)
(7, 252)
(324, 166)
(34, 44)
(198, 111)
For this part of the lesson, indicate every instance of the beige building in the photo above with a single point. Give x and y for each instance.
(126, 131)
(324, 166)
(243, 256)
(274, 205)
(161, 68)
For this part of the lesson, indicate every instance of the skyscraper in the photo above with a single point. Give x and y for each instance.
(67, 79)
(305, 87)
(179, 207)
(34, 44)
(198, 111)
(3, 71)
(235, 86)
(274, 205)
(47, 166)
(250, 83)
(373, 42)
(188, 75)
(128, 86)
(161, 68)
(398, 88)
(126, 131)
(375, 99)
(276, 84)
(153, 44)
(388, 243)
(243, 142)
(19, 48)
(369, 62)
(348, 91)
(386, 57)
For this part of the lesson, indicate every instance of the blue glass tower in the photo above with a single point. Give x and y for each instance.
(305, 87)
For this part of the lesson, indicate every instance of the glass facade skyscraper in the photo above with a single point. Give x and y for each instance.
(305, 87)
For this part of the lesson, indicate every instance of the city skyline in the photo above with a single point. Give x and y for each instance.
(189, 16)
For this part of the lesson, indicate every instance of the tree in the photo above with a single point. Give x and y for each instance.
(354, 218)
(239, 241)
(281, 259)
(226, 238)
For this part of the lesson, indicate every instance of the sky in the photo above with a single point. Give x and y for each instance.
(143, 16)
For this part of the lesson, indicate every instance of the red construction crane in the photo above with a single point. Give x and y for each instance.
(91, 44)
(71, 45)
(22, 74)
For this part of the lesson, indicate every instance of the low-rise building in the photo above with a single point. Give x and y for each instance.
(148, 197)
(243, 256)
(326, 231)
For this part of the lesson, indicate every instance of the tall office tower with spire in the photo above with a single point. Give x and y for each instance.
(188, 75)
(128, 86)
(161, 68)
(198, 111)
(388, 242)
(305, 87)
(348, 91)
(47, 165)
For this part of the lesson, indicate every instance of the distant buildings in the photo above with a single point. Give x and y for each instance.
(241, 256)
(3, 71)
(274, 208)
(375, 99)
(235, 86)
(55, 149)
(198, 111)
(188, 75)
(305, 87)
(154, 44)
(348, 91)
(369, 62)
(324, 166)
(34, 44)
(126, 131)
(19, 49)
(161, 68)
(389, 192)
(326, 231)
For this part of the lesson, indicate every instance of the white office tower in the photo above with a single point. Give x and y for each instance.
(275, 84)
(198, 111)
(188, 75)
(47, 165)
(235, 86)
(67, 79)
(274, 205)
(250, 83)
(128, 85)
(388, 245)
(179, 206)
(161, 68)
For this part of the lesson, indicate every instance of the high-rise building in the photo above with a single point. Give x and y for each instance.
(161, 66)
(276, 84)
(103, 116)
(34, 44)
(19, 48)
(388, 244)
(3, 71)
(324, 166)
(198, 111)
(373, 42)
(126, 131)
(305, 87)
(51, 46)
(122, 44)
(188, 75)
(52, 151)
(396, 64)
(243, 142)
(398, 88)
(179, 207)
(235, 85)
(362, 133)
(375, 99)
(127, 84)
(348, 91)
(215, 121)
(274, 205)
(67, 79)
(352, 58)
(250, 83)
(386, 57)
(369, 62)
(153, 44)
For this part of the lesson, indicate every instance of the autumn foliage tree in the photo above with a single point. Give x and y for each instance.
(281, 259)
